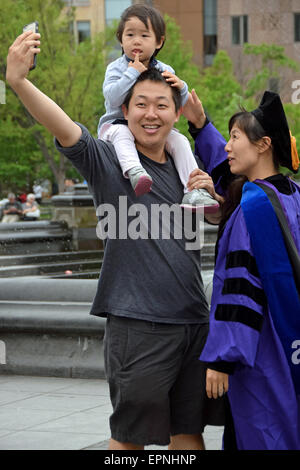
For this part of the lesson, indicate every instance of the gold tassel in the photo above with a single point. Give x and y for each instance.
(295, 158)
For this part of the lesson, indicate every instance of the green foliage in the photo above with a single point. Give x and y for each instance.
(271, 61)
(69, 73)
(178, 54)
(72, 75)
(220, 91)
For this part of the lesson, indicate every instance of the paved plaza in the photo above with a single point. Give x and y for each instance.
(49, 413)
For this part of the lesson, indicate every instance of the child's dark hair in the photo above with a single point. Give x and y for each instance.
(144, 13)
(154, 75)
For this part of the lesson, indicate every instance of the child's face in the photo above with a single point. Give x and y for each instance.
(137, 38)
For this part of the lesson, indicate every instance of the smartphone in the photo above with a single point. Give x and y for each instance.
(34, 27)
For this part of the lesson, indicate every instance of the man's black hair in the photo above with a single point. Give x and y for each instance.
(154, 75)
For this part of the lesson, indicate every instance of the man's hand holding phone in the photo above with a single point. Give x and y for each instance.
(44, 110)
(21, 54)
(34, 28)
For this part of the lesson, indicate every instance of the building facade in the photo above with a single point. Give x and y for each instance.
(189, 16)
(91, 16)
(256, 22)
(211, 25)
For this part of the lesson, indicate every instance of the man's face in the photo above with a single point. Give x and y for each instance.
(151, 115)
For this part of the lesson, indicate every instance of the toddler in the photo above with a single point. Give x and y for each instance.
(141, 33)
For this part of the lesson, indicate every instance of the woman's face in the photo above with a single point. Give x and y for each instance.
(243, 156)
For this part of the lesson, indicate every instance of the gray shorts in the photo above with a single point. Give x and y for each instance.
(157, 383)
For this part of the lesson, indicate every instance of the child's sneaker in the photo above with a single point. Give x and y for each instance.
(197, 199)
(140, 180)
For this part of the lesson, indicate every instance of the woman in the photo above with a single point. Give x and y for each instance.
(31, 210)
(255, 309)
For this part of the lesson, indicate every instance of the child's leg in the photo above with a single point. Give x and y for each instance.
(179, 147)
(123, 141)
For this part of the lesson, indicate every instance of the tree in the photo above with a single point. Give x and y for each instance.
(178, 54)
(270, 62)
(71, 74)
(216, 86)
(221, 92)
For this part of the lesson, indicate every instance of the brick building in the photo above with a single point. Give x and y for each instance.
(256, 22)
(211, 25)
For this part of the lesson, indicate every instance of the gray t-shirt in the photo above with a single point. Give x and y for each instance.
(149, 278)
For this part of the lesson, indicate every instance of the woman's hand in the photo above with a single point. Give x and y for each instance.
(193, 110)
(201, 180)
(216, 383)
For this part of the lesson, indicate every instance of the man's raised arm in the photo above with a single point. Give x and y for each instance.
(41, 107)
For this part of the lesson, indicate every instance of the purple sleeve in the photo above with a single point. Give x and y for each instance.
(209, 147)
(238, 300)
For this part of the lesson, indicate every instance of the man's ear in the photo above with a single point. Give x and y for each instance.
(125, 111)
(178, 114)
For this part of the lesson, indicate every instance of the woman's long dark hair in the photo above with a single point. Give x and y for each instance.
(247, 122)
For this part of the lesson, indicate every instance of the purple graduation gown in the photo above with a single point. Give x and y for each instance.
(264, 404)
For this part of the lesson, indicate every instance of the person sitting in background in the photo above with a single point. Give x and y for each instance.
(69, 185)
(22, 198)
(38, 192)
(31, 209)
(12, 210)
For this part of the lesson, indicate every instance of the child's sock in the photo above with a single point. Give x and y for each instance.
(198, 199)
(140, 180)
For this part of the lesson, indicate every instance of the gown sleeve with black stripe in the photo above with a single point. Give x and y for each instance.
(264, 404)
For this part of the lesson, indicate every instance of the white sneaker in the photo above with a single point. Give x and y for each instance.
(140, 180)
(199, 199)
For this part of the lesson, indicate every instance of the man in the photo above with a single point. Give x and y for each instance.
(150, 289)
(12, 210)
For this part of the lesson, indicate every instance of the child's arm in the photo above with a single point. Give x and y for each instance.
(117, 83)
(42, 108)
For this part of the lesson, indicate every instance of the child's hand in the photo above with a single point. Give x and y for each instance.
(136, 64)
(173, 80)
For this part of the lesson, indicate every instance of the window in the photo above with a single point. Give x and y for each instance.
(114, 9)
(210, 30)
(239, 29)
(83, 30)
(297, 26)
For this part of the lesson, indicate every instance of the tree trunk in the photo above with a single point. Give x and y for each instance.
(57, 170)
